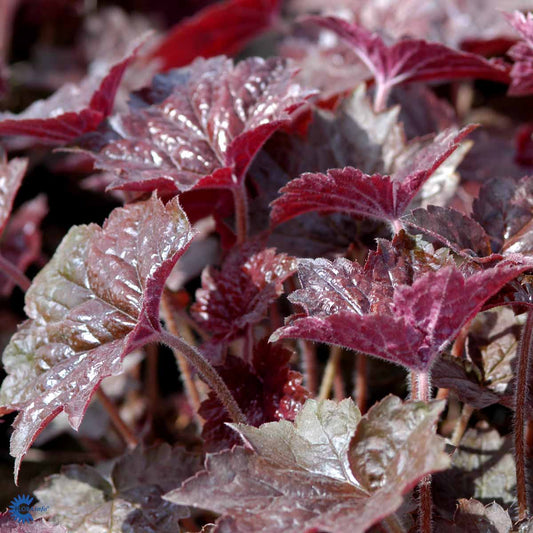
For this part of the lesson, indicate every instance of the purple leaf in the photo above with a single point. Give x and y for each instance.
(407, 325)
(81, 499)
(451, 228)
(504, 209)
(96, 301)
(410, 60)
(239, 294)
(266, 390)
(352, 191)
(71, 111)
(199, 126)
(485, 375)
(21, 241)
(300, 477)
(222, 28)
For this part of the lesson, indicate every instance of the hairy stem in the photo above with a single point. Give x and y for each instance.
(209, 374)
(421, 391)
(122, 428)
(184, 366)
(241, 212)
(525, 352)
(14, 274)
(360, 385)
(329, 373)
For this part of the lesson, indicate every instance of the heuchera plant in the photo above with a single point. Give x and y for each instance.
(294, 294)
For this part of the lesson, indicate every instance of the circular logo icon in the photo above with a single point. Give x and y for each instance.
(20, 508)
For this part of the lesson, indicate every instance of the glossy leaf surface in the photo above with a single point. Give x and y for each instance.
(303, 470)
(97, 300)
(199, 126)
(405, 324)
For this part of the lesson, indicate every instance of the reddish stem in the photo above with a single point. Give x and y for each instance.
(184, 366)
(525, 352)
(210, 375)
(241, 212)
(122, 428)
(421, 391)
(14, 274)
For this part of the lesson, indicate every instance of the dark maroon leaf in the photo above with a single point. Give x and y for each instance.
(407, 325)
(298, 478)
(485, 375)
(70, 112)
(199, 126)
(222, 28)
(21, 242)
(410, 60)
(266, 390)
(352, 191)
(447, 226)
(474, 517)
(96, 301)
(504, 209)
(239, 294)
(81, 499)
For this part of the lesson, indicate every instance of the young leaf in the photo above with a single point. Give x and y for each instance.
(96, 301)
(522, 53)
(239, 294)
(410, 60)
(265, 389)
(82, 500)
(350, 190)
(222, 28)
(298, 477)
(405, 324)
(199, 126)
(71, 111)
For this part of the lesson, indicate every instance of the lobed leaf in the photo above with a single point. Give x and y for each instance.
(298, 477)
(411, 60)
(265, 388)
(350, 190)
(238, 295)
(84, 501)
(199, 126)
(405, 324)
(71, 111)
(96, 301)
